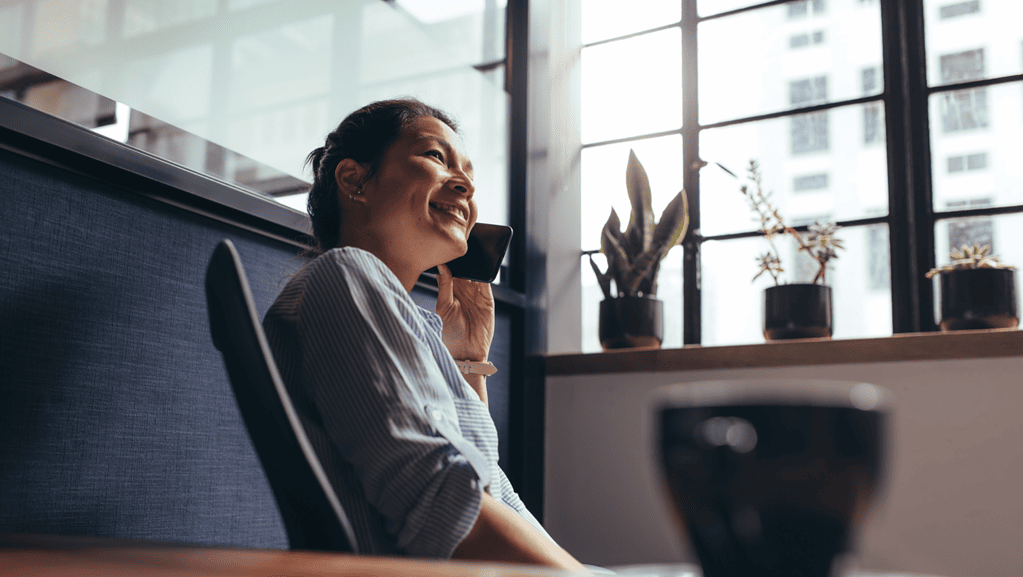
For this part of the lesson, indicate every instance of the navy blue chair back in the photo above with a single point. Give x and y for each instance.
(312, 514)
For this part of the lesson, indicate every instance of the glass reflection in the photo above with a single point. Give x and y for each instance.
(244, 89)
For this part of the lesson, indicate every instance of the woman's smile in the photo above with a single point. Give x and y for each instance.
(452, 210)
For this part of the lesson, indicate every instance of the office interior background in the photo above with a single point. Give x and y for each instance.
(243, 89)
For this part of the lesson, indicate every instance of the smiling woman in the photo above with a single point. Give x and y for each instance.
(407, 440)
(417, 208)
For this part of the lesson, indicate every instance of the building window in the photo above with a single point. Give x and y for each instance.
(879, 265)
(802, 8)
(873, 125)
(808, 91)
(803, 40)
(809, 131)
(979, 231)
(810, 182)
(869, 76)
(963, 109)
(959, 9)
(967, 162)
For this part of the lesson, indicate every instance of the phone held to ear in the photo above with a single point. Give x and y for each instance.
(488, 244)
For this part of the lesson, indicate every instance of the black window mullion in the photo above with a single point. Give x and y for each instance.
(911, 225)
(692, 327)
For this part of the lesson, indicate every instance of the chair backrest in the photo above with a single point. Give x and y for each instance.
(313, 516)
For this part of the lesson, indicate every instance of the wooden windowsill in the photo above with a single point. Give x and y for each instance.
(902, 347)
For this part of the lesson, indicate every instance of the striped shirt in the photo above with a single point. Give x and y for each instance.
(406, 443)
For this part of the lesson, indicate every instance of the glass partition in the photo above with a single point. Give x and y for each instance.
(243, 89)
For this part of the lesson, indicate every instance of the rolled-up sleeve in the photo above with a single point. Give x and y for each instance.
(385, 405)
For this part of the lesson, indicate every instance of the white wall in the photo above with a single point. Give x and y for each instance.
(953, 506)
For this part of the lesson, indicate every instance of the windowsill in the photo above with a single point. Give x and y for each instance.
(902, 347)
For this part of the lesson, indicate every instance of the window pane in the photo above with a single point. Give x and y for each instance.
(603, 19)
(782, 56)
(628, 91)
(1004, 233)
(669, 290)
(470, 31)
(603, 181)
(144, 16)
(976, 144)
(972, 39)
(815, 164)
(246, 102)
(711, 7)
(861, 294)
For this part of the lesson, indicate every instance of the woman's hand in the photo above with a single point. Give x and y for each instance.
(467, 309)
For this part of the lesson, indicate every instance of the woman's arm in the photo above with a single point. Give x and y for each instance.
(500, 534)
(478, 384)
(467, 309)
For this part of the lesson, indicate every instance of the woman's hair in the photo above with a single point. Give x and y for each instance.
(364, 136)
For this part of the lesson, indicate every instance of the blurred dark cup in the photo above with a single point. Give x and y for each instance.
(771, 478)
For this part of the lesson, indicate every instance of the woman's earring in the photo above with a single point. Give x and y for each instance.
(352, 195)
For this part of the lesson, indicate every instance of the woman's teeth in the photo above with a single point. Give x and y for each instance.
(449, 209)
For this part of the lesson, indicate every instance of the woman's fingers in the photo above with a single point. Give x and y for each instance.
(445, 286)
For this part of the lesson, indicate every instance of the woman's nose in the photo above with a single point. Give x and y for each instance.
(463, 185)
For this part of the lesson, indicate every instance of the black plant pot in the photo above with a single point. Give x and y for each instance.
(797, 311)
(631, 322)
(980, 298)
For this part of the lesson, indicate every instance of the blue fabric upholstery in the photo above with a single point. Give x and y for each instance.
(116, 415)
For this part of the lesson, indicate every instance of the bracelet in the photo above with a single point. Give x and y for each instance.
(485, 368)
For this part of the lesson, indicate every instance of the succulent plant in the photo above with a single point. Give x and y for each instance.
(819, 243)
(969, 257)
(634, 257)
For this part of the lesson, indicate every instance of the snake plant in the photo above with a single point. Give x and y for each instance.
(634, 256)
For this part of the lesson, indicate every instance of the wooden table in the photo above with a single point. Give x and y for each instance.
(38, 555)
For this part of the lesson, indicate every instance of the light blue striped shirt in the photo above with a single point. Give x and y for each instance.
(406, 443)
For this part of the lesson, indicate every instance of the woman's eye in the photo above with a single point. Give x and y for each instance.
(436, 154)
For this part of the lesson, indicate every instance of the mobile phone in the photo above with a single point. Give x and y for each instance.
(488, 244)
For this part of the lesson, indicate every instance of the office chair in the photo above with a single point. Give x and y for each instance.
(313, 516)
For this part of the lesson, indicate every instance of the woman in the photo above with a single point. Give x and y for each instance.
(406, 440)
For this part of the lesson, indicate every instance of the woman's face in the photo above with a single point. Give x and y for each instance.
(419, 206)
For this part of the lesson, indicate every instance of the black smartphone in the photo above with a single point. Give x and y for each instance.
(488, 244)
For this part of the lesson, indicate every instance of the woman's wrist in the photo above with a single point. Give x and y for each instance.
(468, 367)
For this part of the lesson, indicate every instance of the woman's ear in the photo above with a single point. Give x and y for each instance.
(349, 176)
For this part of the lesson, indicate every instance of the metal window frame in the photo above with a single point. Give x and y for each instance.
(911, 217)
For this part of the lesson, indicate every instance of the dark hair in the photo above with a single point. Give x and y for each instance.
(364, 136)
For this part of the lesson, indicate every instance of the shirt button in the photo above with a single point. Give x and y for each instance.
(436, 414)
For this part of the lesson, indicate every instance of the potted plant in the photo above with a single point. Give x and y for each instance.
(977, 291)
(795, 310)
(630, 316)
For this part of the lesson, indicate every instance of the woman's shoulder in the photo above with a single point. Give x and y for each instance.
(355, 265)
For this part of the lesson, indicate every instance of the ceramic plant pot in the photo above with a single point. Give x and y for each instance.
(631, 322)
(797, 311)
(978, 298)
